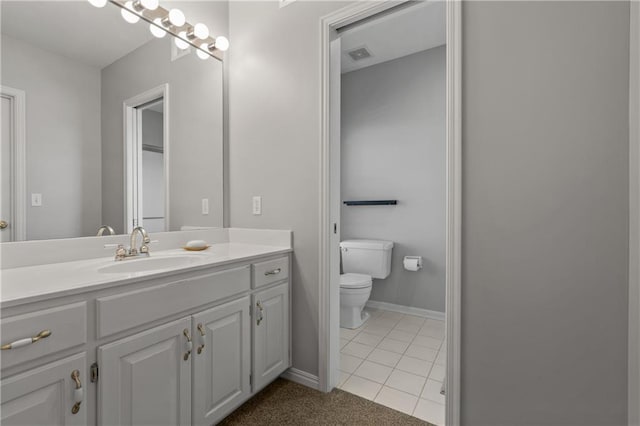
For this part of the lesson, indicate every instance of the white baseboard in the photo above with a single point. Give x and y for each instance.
(302, 377)
(426, 313)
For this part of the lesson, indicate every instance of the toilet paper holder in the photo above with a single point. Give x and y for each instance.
(412, 263)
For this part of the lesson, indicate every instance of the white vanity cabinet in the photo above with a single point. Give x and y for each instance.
(146, 378)
(270, 334)
(183, 349)
(46, 395)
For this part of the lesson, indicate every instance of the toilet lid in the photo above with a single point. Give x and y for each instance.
(355, 281)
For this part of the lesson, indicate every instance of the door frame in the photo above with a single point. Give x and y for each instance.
(18, 226)
(133, 152)
(634, 217)
(342, 17)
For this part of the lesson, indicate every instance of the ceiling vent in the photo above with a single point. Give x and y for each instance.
(359, 54)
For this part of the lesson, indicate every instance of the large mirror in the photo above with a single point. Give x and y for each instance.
(105, 124)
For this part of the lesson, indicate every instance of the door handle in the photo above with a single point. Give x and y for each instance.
(189, 344)
(3, 224)
(78, 393)
(202, 338)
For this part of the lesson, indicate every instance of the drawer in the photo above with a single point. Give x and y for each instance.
(67, 324)
(271, 271)
(127, 310)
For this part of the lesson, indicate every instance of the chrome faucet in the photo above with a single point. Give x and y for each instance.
(144, 248)
(107, 228)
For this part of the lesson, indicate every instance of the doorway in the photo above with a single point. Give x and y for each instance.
(12, 159)
(331, 225)
(146, 119)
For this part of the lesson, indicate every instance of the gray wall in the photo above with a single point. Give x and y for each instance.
(393, 146)
(274, 109)
(63, 139)
(545, 213)
(195, 148)
(545, 200)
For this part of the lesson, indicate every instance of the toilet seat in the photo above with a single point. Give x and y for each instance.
(354, 281)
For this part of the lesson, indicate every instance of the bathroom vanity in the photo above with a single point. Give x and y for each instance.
(184, 338)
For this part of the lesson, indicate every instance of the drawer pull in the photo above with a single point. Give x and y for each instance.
(189, 344)
(78, 392)
(259, 313)
(29, 340)
(273, 272)
(202, 338)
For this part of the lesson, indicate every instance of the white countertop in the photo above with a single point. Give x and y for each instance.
(40, 282)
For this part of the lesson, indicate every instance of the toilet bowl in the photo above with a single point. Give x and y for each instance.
(355, 290)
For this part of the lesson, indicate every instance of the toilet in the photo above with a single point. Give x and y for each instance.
(362, 260)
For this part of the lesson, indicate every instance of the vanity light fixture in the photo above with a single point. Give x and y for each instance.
(98, 3)
(162, 21)
(128, 14)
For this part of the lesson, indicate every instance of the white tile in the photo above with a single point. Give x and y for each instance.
(431, 392)
(378, 329)
(441, 359)
(343, 342)
(427, 331)
(401, 335)
(406, 382)
(437, 373)
(349, 363)
(430, 411)
(414, 319)
(375, 372)
(357, 349)
(429, 342)
(362, 387)
(386, 322)
(434, 323)
(408, 328)
(396, 400)
(421, 352)
(343, 378)
(368, 339)
(414, 365)
(348, 334)
(393, 345)
(373, 312)
(384, 357)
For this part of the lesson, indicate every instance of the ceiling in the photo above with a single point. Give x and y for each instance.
(410, 30)
(73, 29)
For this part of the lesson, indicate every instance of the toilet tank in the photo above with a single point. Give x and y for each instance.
(371, 257)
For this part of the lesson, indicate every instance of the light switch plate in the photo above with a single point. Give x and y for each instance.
(257, 205)
(36, 200)
(205, 206)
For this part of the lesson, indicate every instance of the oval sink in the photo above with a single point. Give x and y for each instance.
(147, 264)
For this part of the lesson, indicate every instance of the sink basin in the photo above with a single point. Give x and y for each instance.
(147, 264)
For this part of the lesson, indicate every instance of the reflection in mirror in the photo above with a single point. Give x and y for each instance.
(72, 161)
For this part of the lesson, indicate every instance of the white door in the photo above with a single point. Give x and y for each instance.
(45, 395)
(145, 379)
(270, 324)
(334, 213)
(221, 360)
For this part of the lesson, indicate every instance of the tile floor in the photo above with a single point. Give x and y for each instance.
(396, 360)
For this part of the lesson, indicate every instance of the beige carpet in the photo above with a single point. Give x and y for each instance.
(287, 403)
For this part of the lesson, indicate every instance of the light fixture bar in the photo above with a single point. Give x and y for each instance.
(150, 15)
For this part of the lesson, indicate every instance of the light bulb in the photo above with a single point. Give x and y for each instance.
(127, 15)
(176, 17)
(149, 4)
(157, 31)
(222, 43)
(203, 51)
(180, 40)
(201, 31)
(98, 3)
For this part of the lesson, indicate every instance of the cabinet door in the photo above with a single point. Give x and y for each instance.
(270, 324)
(145, 379)
(46, 395)
(221, 361)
